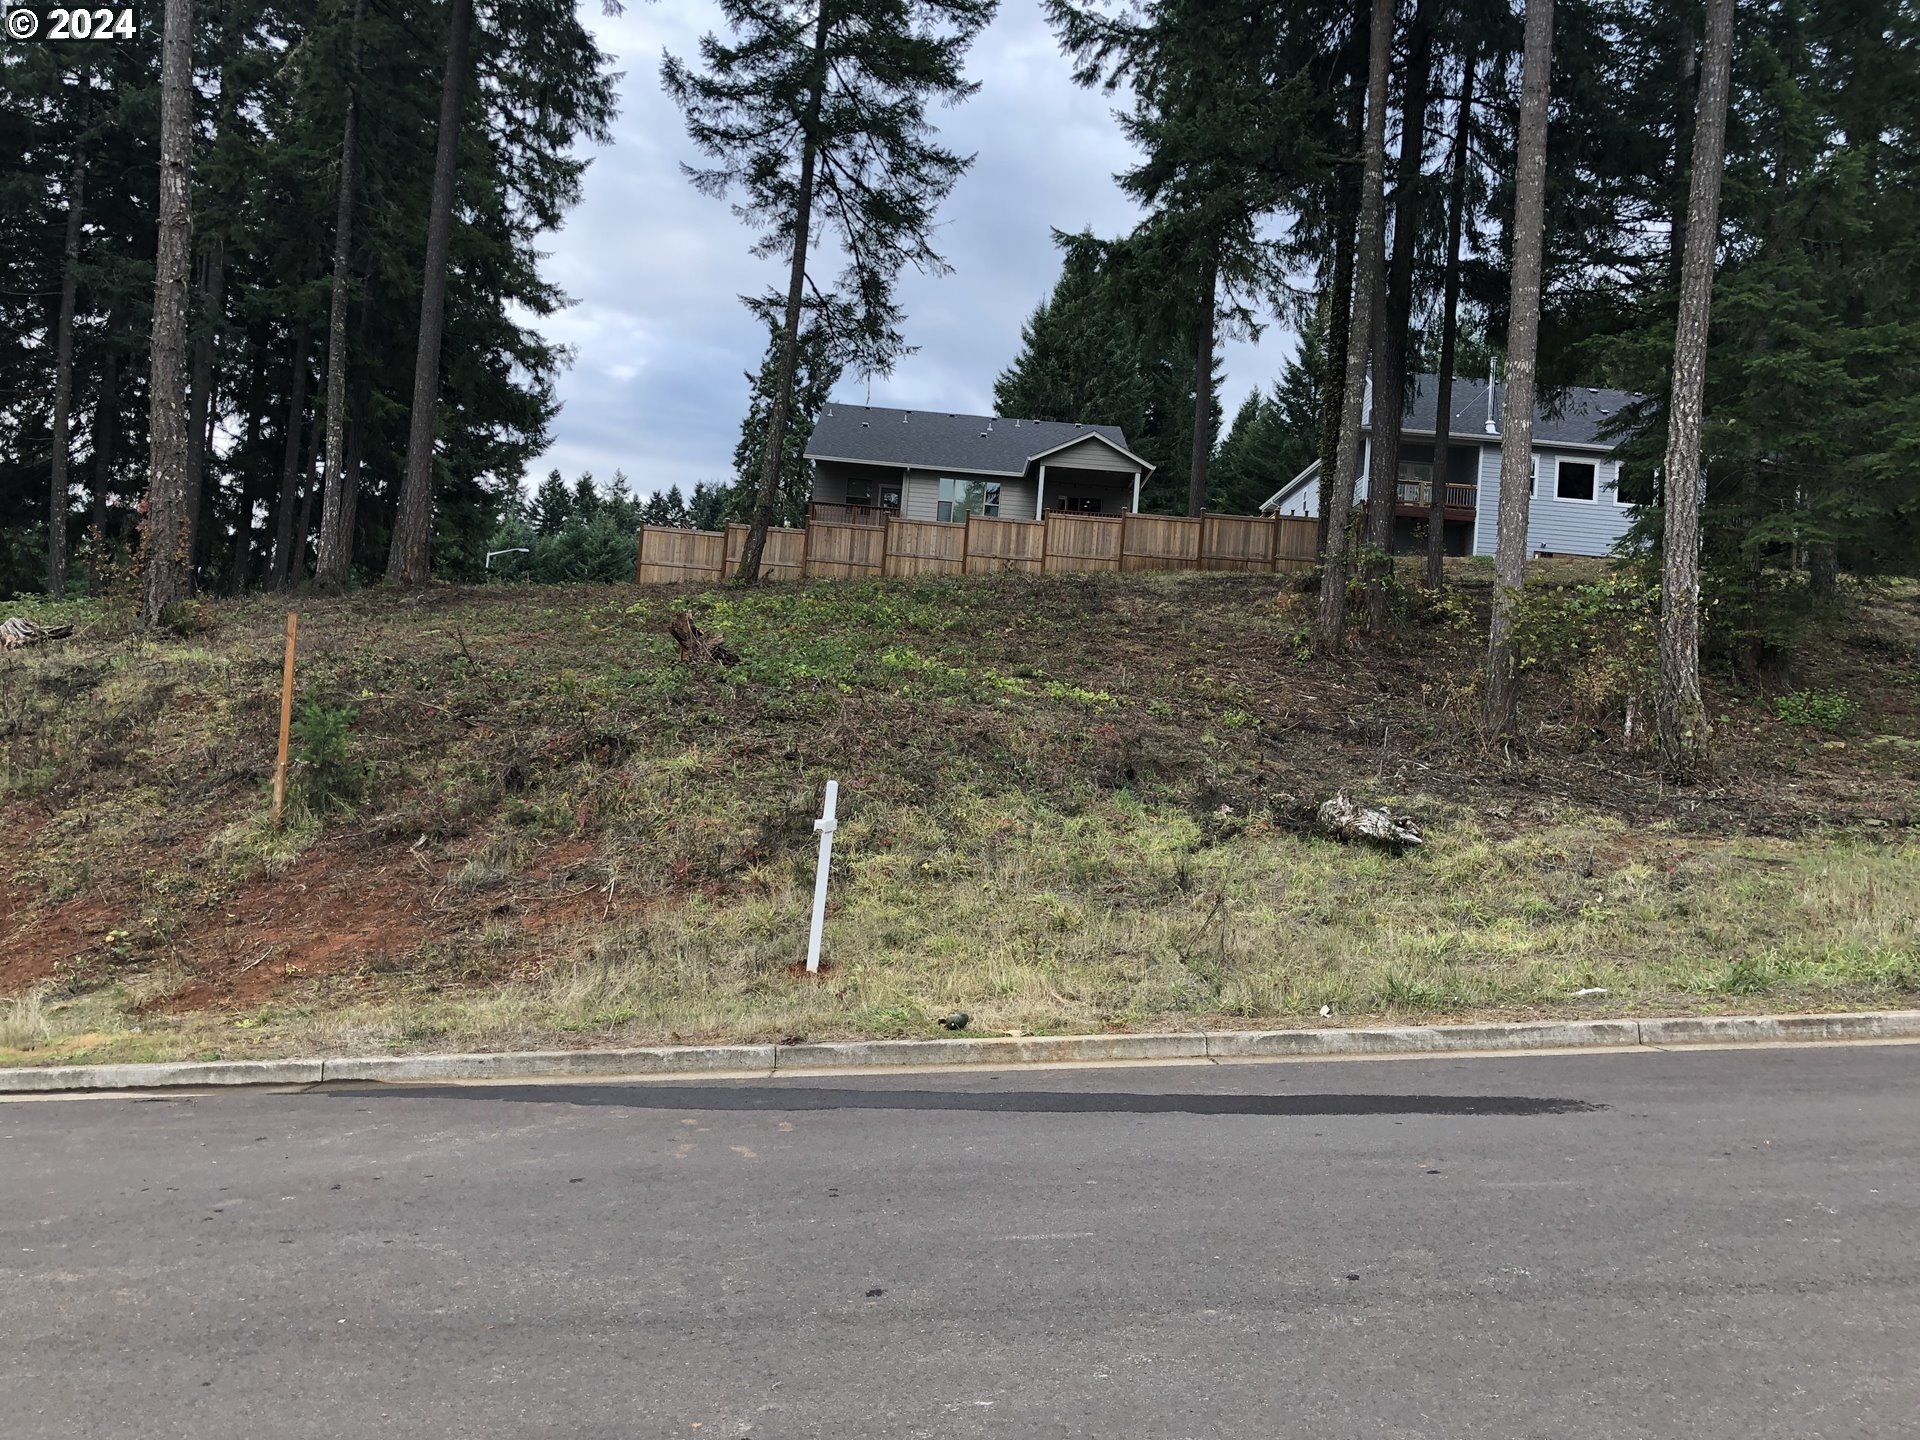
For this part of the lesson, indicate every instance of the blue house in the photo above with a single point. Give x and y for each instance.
(1576, 507)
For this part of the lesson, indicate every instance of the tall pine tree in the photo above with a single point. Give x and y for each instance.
(816, 111)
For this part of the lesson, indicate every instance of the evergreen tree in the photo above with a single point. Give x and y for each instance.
(1449, 358)
(167, 552)
(1523, 333)
(818, 110)
(1274, 436)
(707, 505)
(1089, 356)
(816, 372)
(1222, 115)
(1369, 265)
(1681, 715)
(336, 516)
(552, 505)
(1394, 319)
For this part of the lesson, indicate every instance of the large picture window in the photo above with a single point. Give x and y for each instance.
(961, 498)
(1575, 479)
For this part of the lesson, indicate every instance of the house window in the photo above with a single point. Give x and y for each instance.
(961, 498)
(1080, 504)
(1575, 480)
(1533, 477)
(859, 492)
(890, 499)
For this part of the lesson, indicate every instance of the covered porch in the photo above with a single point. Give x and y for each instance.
(1085, 490)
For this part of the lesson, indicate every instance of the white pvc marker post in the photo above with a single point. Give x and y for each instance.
(825, 825)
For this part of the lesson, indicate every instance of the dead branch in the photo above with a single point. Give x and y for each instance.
(1341, 818)
(697, 647)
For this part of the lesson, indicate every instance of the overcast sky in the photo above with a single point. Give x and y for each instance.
(660, 339)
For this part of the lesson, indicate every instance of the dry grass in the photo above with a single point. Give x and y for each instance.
(1072, 804)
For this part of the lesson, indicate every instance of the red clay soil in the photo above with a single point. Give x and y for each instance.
(339, 910)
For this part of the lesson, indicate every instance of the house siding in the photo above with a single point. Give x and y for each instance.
(920, 500)
(831, 478)
(1088, 455)
(1556, 526)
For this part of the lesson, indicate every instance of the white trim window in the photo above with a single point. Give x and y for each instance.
(1576, 480)
(960, 498)
(1618, 498)
(1533, 474)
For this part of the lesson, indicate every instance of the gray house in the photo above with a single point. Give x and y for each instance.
(937, 465)
(1576, 507)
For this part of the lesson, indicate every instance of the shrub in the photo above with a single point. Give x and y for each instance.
(1603, 637)
(1815, 709)
(325, 776)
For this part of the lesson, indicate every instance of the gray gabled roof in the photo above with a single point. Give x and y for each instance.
(1561, 417)
(945, 440)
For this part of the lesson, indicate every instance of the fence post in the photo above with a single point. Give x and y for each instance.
(966, 539)
(639, 553)
(806, 545)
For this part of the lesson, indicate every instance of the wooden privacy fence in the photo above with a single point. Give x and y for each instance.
(836, 544)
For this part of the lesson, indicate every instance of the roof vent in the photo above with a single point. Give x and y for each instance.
(863, 424)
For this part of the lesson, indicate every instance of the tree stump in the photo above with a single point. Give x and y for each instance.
(697, 647)
(17, 634)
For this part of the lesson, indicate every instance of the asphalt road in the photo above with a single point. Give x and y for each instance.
(1706, 1245)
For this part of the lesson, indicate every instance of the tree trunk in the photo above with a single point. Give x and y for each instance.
(1202, 395)
(1823, 571)
(407, 560)
(237, 561)
(1449, 326)
(1680, 712)
(303, 526)
(356, 442)
(336, 511)
(167, 555)
(290, 464)
(1330, 633)
(1339, 317)
(764, 496)
(106, 425)
(1390, 367)
(213, 284)
(59, 498)
(1523, 339)
(1687, 92)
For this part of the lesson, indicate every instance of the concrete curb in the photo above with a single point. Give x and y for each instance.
(654, 1061)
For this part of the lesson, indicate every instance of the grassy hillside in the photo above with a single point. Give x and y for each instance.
(1069, 803)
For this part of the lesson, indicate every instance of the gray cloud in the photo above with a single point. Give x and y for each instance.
(660, 340)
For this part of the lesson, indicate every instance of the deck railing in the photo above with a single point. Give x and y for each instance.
(1420, 492)
(827, 513)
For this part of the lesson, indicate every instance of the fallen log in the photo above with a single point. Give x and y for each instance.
(697, 647)
(1343, 819)
(18, 634)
